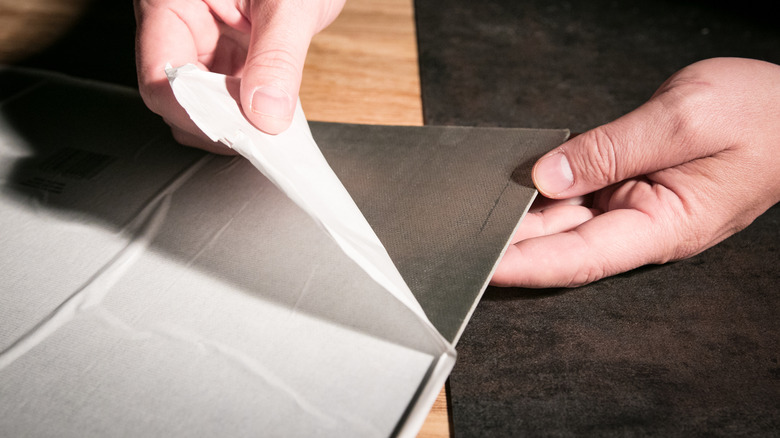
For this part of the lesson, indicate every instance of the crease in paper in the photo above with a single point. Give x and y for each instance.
(90, 295)
(236, 358)
(293, 162)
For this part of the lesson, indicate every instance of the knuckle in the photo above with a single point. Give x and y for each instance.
(598, 163)
(682, 123)
(181, 137)
(148, 96)
(593, 266)
(682, 102)
(157, 98)
(278, 64)
(588, 274)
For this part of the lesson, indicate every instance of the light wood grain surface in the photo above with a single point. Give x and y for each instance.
(29, 26)
(361, 69)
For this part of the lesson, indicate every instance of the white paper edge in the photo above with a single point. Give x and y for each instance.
(428, 395)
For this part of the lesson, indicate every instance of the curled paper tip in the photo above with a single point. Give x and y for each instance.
(172, 72)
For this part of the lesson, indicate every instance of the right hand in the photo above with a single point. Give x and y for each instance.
(695, 164)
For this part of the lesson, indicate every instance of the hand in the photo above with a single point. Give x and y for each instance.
(262, 41)
(695, 164)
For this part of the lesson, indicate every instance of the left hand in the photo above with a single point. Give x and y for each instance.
(264, 42)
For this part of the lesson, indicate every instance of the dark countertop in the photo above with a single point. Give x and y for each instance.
(687, 348)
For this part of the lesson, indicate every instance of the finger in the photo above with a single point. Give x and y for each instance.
(280, 37)
(542, 203)
(165, 36)
(664, 132)
(606, 245)
(200, 141)
(552, 220)
(230, 14)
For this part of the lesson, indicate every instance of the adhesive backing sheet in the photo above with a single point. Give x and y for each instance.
(152, 289)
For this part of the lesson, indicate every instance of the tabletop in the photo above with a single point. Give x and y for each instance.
(362, 69)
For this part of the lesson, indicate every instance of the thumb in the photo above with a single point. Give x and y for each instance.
(271, 79)
(662, 133)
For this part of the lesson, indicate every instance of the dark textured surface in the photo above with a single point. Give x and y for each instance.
(574, 65)
(683, 349)
(443, 200)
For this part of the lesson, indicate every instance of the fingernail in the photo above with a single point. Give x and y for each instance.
(271, 101)
(553, 174)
